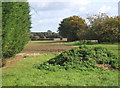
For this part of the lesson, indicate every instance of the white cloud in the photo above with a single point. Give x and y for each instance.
(82, 2)
(79, 2)
(57, 0)
(105, 9)
(111, 0)
(39, 4)
(48, 20)
(110, 10)
(82, 8)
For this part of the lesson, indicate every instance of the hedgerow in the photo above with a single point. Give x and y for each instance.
(16, 26)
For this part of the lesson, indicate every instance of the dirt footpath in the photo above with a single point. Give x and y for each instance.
(40, 47)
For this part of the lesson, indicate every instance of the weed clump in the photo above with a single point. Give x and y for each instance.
(81, 58)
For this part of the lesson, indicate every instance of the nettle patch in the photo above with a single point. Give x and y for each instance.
(81, 58)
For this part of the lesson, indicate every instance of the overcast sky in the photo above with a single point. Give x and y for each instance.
(47, 14)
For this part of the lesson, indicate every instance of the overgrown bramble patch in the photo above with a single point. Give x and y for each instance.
(81, 58)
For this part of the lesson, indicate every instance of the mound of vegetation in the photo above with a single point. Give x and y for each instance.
(81, 58)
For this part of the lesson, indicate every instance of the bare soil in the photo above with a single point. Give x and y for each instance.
(106, 67)
(40, 47)
(17, 58)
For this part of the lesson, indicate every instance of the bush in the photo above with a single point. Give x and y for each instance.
(15, 28)
(80, 58)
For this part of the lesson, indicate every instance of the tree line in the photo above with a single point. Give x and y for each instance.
(101, 27)
(44, 35)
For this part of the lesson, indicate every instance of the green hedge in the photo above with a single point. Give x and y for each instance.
(42, 39)
(16, 26)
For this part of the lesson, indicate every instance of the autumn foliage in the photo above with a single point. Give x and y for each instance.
(72, 28)
(101, 27)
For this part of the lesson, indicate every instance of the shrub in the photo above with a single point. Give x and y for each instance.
(15, 27)
(82, 57)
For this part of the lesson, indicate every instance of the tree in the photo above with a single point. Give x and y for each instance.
(72, 28)
(110, 31)
(49, 33)
(93, 22)
(16, 26)
(41, 35)
(36, 37)
(104, 28)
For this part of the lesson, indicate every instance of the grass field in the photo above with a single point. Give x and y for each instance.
(114, 47)
(23, 73)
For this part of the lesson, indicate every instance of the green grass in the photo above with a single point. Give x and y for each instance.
(110, 46)
(22, 73)
(113, 47)
(76, 43)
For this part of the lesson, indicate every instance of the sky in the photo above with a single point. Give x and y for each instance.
(48, 14)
